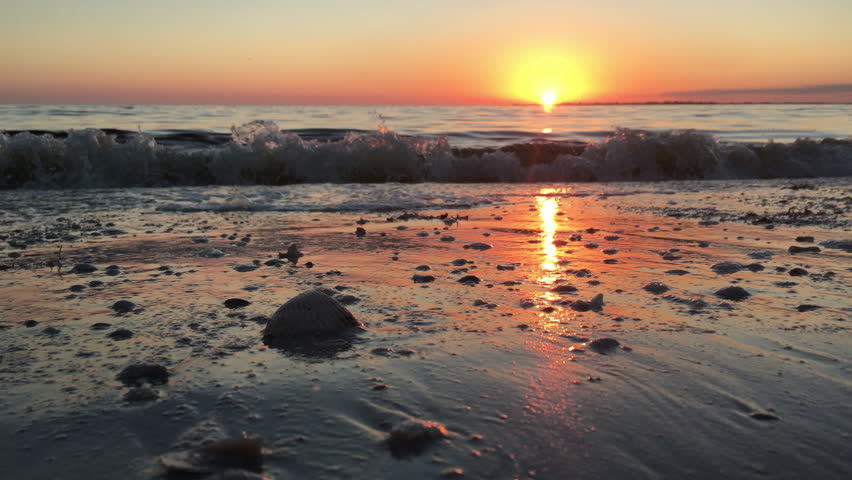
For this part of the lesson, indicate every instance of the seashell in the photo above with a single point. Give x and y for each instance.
(225, 454)
(597, 302)
(309, 312)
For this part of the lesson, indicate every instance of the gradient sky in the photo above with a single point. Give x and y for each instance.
(423, 51)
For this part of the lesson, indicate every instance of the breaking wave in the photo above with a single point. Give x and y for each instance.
(259, 153)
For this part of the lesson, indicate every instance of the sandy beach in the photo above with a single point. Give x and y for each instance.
(701, 382)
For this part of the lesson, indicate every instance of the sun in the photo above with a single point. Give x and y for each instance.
(544, 75)
(548, 99)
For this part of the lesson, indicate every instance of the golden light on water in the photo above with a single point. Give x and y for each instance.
(548, 99)
(546, 130)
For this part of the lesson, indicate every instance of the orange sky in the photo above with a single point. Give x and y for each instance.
(438, 52)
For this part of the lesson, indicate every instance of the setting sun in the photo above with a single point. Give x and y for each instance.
(545, 76)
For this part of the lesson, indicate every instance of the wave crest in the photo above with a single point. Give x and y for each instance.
(259, 153)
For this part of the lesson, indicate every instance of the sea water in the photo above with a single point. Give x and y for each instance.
(144, 145)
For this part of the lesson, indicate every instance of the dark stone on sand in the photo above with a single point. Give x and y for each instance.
(469, 280)
(50, 331)
(656, 287)
(141, 394)
(845, 245)
(245, 268)
(796, 249)
(120, 334)
(100, 326)
(725, 268)
(274, 263)
(84, 268)
(236, 303)
(763, 416)
(96, 283)
(348, 299)
(733, 293)
(423, 278)
(477, 246)
(611, 261)
(676, 272)
(604, 345)
(123, 306)
(755, 267)
(77, 288)
(564, 289)
(422, 268)
(798, 272)
(412, 437)
(807, 308)
(136, 374)
(805, 239)
(581, 306)
(360, 232)
(459, 262)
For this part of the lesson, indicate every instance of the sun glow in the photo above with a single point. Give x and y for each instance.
(545, 77)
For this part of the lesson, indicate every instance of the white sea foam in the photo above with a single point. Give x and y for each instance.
(259, 153)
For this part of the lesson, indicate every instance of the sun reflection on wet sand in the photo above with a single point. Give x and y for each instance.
(547, 209)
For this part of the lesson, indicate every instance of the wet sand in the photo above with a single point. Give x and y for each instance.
(698, 387)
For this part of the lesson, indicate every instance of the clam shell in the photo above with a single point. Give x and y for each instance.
(309, 312)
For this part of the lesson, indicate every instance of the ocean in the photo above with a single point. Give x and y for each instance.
(48, 146)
